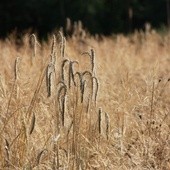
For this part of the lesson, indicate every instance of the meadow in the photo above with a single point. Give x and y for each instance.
(85, 102)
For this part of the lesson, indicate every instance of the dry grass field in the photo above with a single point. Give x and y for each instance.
(85, 103)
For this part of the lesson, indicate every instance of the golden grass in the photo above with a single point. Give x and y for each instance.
(85, 103)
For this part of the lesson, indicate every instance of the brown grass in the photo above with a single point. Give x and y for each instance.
(85, 104)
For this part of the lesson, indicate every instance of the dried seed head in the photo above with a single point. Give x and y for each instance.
(100, 120)
(33, 44)
(32, 124)
(49, 85)
(39, 156)
(62, 101)
(62, 68)
(53, 58)
(107, 121)
(71, 72)
(68, 25)
(62, 42)
(49, 73)
(16, 70)
(62, 90)
(95, 88)
(92, 59)
(53, 49)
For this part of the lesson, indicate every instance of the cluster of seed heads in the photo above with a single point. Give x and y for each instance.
(70, 78)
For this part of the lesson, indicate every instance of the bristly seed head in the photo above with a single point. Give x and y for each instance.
(100, 120)
(49, 72)
(16, 67)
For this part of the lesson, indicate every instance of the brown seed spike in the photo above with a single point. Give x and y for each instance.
(100, 120)
(95, 88)
(53, 49)
(62, 42)
(39, 156)
(62, 109)
(49, 71)
(61, 101)
(33, 44)
(107, 125)
(32, 124)
(16, 67)
(92, 59)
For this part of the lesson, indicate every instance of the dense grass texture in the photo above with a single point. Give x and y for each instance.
(85, 102)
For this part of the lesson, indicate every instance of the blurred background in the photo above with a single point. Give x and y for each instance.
(98, 16)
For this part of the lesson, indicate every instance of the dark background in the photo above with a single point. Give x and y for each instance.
(98, 16)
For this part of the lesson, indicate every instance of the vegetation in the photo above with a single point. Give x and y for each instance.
(98, 16)
(85, 102)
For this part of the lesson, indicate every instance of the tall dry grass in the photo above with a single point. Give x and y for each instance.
(85, 103)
